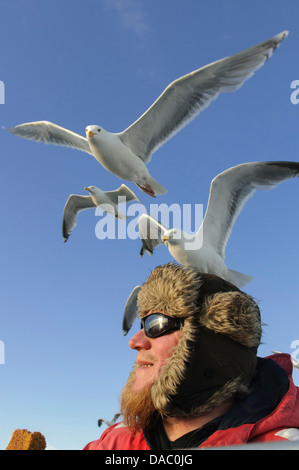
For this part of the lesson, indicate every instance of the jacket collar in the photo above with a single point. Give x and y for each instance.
(271, 405)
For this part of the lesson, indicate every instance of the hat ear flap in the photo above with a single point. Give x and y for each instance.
(234, 314)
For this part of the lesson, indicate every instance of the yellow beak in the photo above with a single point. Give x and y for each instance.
(90, 134)
(165, 238)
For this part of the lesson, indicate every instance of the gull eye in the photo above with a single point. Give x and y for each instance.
(99, 130)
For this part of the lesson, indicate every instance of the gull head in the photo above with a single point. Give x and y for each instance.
(89, 188)
(97, 195)
(92, 131)
(165, 239)
(93, 190)
(173, 237)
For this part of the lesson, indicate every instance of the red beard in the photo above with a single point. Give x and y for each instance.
(137, 407)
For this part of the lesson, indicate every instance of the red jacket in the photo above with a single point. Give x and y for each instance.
(269, 413)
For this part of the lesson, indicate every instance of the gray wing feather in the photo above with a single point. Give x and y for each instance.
(187, 96)
(122, 191)
(109, 423)
(73, 206)
(231, 189)
(49, 133)
(131, 310)
(151, 232)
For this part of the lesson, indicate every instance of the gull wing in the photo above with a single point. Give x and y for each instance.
(73, 206)
(115, 418)
(231, 189)
(187, 96)
(122, 191)
(109, 423)
(151, 232)
(49, 133)
(131, 310)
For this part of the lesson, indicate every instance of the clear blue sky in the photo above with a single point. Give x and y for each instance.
(104, 62)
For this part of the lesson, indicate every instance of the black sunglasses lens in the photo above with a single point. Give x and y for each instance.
(157, 324)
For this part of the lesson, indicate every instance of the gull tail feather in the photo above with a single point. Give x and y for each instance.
(238, 279)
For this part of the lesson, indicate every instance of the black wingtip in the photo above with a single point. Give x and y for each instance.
(293, 166)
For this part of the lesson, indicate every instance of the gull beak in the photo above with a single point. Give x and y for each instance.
(166, 238)
(90, 134)
(86, 189)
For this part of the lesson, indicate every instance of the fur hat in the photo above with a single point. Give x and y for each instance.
(215, 359)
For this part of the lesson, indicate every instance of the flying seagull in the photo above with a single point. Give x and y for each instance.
(107, 200)
(229, 192)
(109, 423)
(126, 154)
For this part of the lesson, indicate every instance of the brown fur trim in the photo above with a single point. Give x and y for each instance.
(171, 289)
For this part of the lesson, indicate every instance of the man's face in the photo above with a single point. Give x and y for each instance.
(152, 354)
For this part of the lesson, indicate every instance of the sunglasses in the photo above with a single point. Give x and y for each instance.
(158, 324)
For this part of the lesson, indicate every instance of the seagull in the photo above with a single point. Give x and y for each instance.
(109, 423)
(126, 154)
(106, 200)
(229, 192)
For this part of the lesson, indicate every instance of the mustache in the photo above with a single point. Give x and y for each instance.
(145, 358)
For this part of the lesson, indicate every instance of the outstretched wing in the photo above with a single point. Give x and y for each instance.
(187, 96)
(74, 204)
(231, 189)
(115, 418)
(131, 310)
(122, 191)
(107, 422)
(49, 133)
(151, 232)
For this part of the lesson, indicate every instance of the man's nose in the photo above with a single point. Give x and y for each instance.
(140, 341)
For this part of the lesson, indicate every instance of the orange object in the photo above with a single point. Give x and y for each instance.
(22, 439)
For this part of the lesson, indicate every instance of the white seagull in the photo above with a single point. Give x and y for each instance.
(126, 154)
(106, 200)
(229, 192)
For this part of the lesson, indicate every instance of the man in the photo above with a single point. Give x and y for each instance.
(197, 380)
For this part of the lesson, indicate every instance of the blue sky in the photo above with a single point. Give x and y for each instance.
(104, 62)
